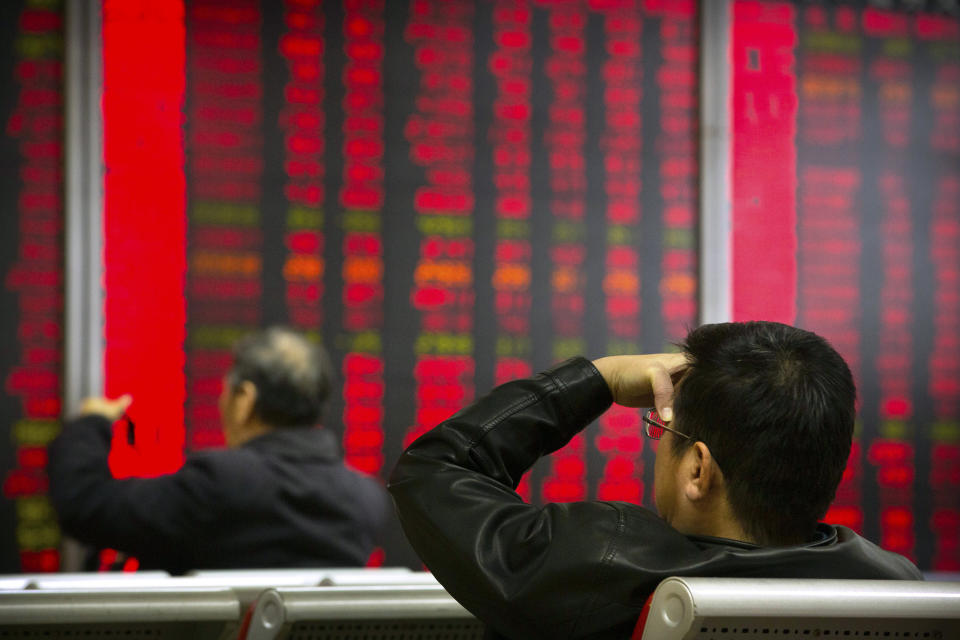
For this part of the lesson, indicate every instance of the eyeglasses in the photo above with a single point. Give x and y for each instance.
(654, 426)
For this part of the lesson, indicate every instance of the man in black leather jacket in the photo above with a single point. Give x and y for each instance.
(279, 495)
(763, 425)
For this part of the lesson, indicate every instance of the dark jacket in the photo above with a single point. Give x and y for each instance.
(575, 570)
(284, 499)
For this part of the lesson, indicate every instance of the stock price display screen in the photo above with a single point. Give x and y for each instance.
(449, 195)
(31, 278)
(863, 107)
(878, 149)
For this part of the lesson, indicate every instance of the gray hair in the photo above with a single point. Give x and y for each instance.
(292, 376)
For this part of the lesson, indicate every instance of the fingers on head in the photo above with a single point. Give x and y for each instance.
(662, 387)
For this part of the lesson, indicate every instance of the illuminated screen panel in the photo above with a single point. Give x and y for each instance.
(224, 167)
(302, 47)
(829, 212)
(362, 199)
(440, 132)
(647, 148)
(429, 188)
(31, 268)
(144, 230)
(678, 138)
(448, 195)
(566, 138)
(763, 172)
(875, 136)
(510, 136)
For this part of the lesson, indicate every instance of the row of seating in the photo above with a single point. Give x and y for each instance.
(398, 604)
(254, 605)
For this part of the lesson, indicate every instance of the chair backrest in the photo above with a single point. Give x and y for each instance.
(24, 580)
(719, 608)
(315, 575)
(354, 612)
(322, 576)
(373, 578)
(132, 614)
(13, 583)
(91, 575)
(247, 585)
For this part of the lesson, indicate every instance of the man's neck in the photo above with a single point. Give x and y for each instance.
(731, 530)
(251, 430)
(715, 520)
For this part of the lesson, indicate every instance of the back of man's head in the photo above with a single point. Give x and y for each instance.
(776, 406)
(291, 374)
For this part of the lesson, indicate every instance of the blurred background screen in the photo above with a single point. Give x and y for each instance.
(453, 194)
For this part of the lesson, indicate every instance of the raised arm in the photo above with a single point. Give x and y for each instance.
(153, 518)
(509, 562)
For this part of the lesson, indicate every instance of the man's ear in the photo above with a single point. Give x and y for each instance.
(245, 397)
(699, 472)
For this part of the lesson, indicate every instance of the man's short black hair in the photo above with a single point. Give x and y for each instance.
(776, 406)
(292, 376)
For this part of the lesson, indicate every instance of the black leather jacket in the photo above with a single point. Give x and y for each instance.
(576, 570)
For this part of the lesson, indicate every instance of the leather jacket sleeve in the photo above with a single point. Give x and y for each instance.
(524, 569)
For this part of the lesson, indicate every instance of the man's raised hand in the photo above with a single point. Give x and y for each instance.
(643, 380)
(109, 409)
